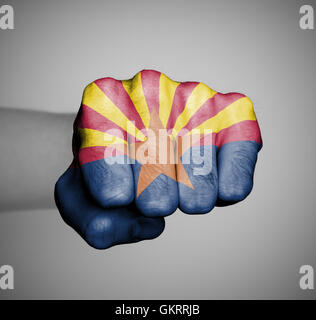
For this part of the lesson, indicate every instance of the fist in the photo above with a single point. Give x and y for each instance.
(144, 147)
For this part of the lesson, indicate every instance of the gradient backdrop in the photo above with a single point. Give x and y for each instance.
(251, 250)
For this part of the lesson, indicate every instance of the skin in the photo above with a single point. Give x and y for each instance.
(35, 146)
(123, 192)
(100, 200)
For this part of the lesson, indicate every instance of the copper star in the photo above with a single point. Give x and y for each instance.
(162, 157)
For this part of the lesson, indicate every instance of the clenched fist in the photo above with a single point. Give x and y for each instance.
(144, 147)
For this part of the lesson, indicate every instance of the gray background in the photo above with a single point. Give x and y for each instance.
(251, 250)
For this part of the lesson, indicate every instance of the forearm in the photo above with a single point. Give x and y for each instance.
(35, 149)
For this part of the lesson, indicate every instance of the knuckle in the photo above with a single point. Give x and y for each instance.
(109, 197)
(157, 207)
(100, 232)
(196, 206)
(234, 192)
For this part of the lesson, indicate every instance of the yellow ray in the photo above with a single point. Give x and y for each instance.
(97, 100)
(167, 88)
(96, 138)
(198, 97)
(240, 110)
(134, 89)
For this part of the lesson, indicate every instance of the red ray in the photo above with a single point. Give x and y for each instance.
(115, 91)
(150, 83)
(181, 96)
(211, 107)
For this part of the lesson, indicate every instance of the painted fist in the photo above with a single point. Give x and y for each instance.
(144, 147)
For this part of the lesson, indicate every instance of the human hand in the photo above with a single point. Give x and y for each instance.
(124, 128)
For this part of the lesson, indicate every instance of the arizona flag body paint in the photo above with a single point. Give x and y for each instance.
(115, 114)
